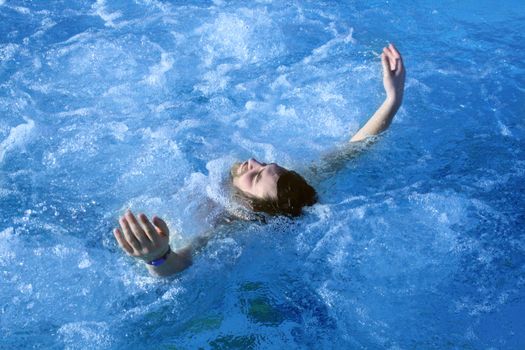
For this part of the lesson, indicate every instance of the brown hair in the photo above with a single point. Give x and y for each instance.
(293, 193)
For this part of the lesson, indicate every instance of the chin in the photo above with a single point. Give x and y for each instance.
(234, 169)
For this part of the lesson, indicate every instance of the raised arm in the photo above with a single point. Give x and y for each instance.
(394, 83)
(149, 242)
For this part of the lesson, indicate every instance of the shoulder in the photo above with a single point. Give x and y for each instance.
(336, 159)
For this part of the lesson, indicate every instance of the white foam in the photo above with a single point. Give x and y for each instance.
(218, 173)
(108, 17)
(216, 80)
(281, 81)
(288, 112)
(8, 232)
(7, 51)
(504, 129)
(439, 212)
(329, 124)
(89, 334)
(228, 35)
(328, 93)
(157, 72)
(7, 246)
(46, 23)
(26, 288)
(76, 41)
(250, 105)
(329, 297)
(262, 150)
(5, 192)
(62, 251)
(173, 293)
(18, 137)
(323, 51)
(37, 64)
(187, 124)
(84, 263)
(118, 130)
(227, 251)
(77, 112)
(21, 9)
(248, 35)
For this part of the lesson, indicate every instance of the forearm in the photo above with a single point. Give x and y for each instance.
(380, 121)
(394, 84)
(176, 261)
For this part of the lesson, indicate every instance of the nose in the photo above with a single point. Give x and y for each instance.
(254, 164)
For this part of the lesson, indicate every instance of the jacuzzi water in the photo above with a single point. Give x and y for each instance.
(416, 244)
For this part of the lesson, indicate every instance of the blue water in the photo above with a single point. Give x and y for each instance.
(416, 244)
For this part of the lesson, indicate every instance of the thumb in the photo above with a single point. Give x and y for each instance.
(161, 226)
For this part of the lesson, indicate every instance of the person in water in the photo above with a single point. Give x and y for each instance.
(261, 187)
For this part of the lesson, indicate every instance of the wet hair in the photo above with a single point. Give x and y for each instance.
(293, 193)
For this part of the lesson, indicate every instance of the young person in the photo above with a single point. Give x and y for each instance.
(261, 187)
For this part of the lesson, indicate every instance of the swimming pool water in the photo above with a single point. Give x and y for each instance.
(107, 105)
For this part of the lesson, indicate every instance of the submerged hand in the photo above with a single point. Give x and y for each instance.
(142, 239)
(393, 73)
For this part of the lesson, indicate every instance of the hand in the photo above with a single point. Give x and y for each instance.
(142, 239)
(393, 74)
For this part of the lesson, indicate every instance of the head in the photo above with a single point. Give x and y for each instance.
(271, 188)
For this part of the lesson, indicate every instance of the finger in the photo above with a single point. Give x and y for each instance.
(400, 70)
(148, 228)
(400, 67)
(128, 235)
(399, 59)
(385, 64)
(137, 229)
(161, 226)
(390, 57)
(394, 51)
(122, 242)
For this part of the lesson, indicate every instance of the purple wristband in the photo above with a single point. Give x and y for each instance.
(160, 260)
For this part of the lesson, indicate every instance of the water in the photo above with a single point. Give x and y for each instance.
(416, 244)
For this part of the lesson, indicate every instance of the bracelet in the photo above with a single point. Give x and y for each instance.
(160, 260)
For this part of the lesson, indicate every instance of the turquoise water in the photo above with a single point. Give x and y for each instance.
(416, 244)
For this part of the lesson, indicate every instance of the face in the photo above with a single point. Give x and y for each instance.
(257, 179)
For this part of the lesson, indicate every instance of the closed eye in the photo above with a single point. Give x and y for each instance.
(258, 176)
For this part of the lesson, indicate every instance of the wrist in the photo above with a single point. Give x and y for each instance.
(157, 259)
(394, 100)
(176, 261)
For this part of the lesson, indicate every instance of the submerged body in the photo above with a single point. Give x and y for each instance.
(262, 187)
